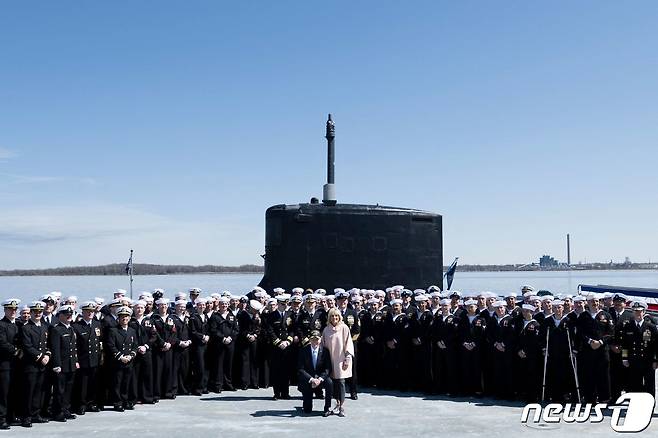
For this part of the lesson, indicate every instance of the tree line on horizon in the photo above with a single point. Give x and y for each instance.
(138, 269)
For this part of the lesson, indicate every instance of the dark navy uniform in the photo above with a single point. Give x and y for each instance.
(34, 340)
(247, 345)
(142, 381)
(88, 336)
(198, 331)
(351, 318)
(595, 363)
(397, 360)
(445, 353)
(165, 330)
(560, 380)
(121, 343)
(471, 332)
(63, 346)
(529, 359)
(421, 323)
(371, 348)
(220, 328)
(618, 372)
(281, 329)
(181, 355)
(9, 369)
(502, 348)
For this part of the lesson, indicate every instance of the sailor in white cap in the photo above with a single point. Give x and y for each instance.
(445, 352)
(163, 384)
(529, 354)
(471, 331)
(9, 338)
(250, 324)
(281, 332)
(122, 348)
(64, 363)
(223, 329)
(88, 333)
(35, 359)
(199, 333)
(638, 357)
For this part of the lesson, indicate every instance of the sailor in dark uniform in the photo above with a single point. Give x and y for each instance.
(639, 342)
(529, 352)
(281, 332)
(351, 318)
(223, 329)
(455, 308)
(397, 340)
(595, 332)
(200, 338)
(421, 355)
(165, 329)
(445, 351)
(181, 353)
(559, 331)
(36, 355)
(310, 318)
(472, 339)
(10, 354)
(194, 295)
(250, 327)
(63, 362)
(122, 349)
(371, 344)
(502, 343)
(89, 337)
(295, 311)
(141, 389)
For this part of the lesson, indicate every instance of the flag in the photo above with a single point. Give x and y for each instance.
(129, 265)
(450, 275)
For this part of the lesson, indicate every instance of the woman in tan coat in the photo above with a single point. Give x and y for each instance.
(337, 339)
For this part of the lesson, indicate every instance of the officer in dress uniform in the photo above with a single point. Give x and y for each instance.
(141, 389)
(181, 353)
(529, 352)
(122, 349)
(64, 363)
(165, 330)
(200, 338)
(249, 323)
(618, 372)
(223, 329)
(10, 354)
(371, 344)
(36, 355)
(88, 335)
(595, 332)
(281, 332)
(294, 311)
(351, 318)
(639, 343)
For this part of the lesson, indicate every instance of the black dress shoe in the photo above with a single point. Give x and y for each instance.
(354, 396)
(93, 408)
(253, 386)
(59, 418)
(39, 419)
(285, 396)
(26, 423)
(327, 413)
(129, 407)
(230, 388)
(4, 425)
(80, 411)
(69, 416)
(197, 393)
(119, 408)
(205, 391)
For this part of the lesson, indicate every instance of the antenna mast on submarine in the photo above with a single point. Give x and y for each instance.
(329, 189)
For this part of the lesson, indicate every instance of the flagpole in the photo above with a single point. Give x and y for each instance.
(131, 274)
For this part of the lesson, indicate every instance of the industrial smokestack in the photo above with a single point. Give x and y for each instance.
(568, 251)
(329, 189)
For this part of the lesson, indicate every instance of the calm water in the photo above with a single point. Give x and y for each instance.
(87, 287)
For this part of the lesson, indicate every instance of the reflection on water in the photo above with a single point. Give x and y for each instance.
(87, 287)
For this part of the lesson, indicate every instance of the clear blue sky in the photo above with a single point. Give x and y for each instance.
(169, 127)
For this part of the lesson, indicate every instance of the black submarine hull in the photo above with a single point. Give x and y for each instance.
(351, 245)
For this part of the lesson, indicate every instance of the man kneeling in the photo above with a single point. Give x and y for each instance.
(314, 368)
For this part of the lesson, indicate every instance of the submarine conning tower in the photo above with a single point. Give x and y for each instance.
(328, 245)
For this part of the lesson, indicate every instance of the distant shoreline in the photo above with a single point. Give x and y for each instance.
(151, 269)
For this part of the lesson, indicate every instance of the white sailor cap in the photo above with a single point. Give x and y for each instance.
(329, 297)
(71, 298)
(115, 302)
(282, 297)
(529, 307)
(445, 301)
(421, 297)
(567, 297)
(389, 290)
(419, 291)
(223, 300)
(338, 290)
(527, 288)
(296, 299)
(470, 303)
(297, 290)
(180, 303)
(356, 299)
(380, 293)
(37, 305)
(180, 296)
(278, 290)
(499, 304)
(260, 294)
(454, 293)
(310, 297)
(340, 293)
(557, 303)
(139, 303)
(271, 301)
(594, 296)
(578, 299)
(373, 301)
(162, 300)
(396, 301)
(547, 298)
(510, 295)
(256, 305)
(11, 303)
(320, 292)
(25, 307)
(534, 298)
(120, 292)
(56, 294)
(145, 294)
(435, 295)
(607, 295)
(397, 287)
(99, 301)
(639, 305)
(200, 300)
(215, 295)
(194, 291)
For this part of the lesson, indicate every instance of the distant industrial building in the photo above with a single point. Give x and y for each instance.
(547, 262)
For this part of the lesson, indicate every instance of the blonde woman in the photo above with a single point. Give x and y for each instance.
(337, 339)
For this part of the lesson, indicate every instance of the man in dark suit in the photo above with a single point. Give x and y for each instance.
(314, 368)
(122, 350)
(88, 338)
(34, 339)
(9, 362)
(64, 362)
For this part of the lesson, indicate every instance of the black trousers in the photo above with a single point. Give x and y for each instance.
(198, 368)
(642, 377)
(162, 381)
(85, 387)
(307, 393)
(62, 390)
(264, 363)
(279, 372)
(121, 380)
(249, 364)
(141, 388)
(33, 382)
(470, 371)
(224, 365)
(5, 381)
(180, 368)
(594, 366)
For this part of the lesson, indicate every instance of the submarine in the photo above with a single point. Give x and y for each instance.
(328, 244)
